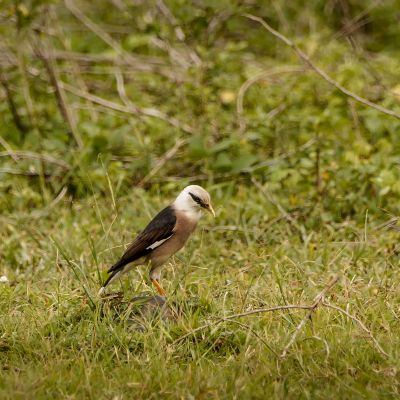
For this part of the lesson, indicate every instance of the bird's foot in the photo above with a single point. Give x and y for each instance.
(160, 290)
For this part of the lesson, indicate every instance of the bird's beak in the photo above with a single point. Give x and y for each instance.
(211, 210)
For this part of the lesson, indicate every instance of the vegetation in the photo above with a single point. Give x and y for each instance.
(109, 110)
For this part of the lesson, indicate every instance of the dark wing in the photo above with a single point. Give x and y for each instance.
(156, 232)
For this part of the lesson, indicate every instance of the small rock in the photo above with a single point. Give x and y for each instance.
(140, 310)
(4, 279)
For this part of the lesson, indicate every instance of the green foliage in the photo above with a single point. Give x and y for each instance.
(352, 142)
(302, 177)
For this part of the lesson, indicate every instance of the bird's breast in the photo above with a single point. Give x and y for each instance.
(183, 229)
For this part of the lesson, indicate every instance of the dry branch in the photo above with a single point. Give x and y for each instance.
(320, 72)
(243, 314)
(176, 56)
(178, 31)
(132, 109)
(119, 77)
(317, 301)
(18, 172)
(136, 63)
(97, 30)
(17, 154)
(10, 151)
(59, 93)
(12, 106)
(76, 68)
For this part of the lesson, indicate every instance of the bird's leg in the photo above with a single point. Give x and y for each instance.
(160, 290)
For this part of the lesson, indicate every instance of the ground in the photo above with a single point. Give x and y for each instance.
(57, 341)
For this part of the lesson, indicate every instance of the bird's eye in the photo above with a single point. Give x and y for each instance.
(197, 200)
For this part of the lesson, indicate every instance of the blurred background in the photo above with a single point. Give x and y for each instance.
(159, 94)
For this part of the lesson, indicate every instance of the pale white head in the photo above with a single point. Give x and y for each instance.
(192, 200)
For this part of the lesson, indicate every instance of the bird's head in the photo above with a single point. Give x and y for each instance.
(194, 198)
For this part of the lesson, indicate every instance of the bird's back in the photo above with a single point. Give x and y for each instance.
(160, 228)
(184, 227)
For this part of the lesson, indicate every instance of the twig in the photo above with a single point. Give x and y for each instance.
(17, 154)
(132, 109)
(355, 23)
(55, 201)
(317, 300)
(59, 94)
(76, 68)
(10, 151)
(26, 91)
(89, 58)
(275, 111)
(97, 30)
(135, 63)
(178, 31)
(388, 224)
(176, 56)
(243, 314)
(320, 72)
(121, 89)
(172, 20)
(360, 323)
(11, 171)
(163, 160)
(218, 19)
(12, 106)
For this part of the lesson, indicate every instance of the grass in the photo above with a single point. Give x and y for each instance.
(109, 111)
(54, 344)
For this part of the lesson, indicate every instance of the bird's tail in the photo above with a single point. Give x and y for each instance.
(114, 275)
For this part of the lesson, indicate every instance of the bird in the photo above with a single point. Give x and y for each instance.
(166, 234)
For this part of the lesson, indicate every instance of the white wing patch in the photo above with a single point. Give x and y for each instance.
(158, 243)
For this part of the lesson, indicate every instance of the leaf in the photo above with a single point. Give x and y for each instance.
(222, 145)
(243, 162)
(223, 162)
(197, 147)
